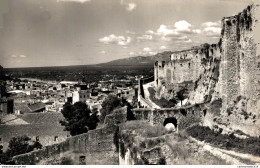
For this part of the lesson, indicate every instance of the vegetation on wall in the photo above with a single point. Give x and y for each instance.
(249, 145)
(161, 102)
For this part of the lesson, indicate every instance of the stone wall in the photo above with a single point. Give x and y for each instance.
(96, 144)
(185, 116)
(118, 116)
(194, 67)
(239, 72)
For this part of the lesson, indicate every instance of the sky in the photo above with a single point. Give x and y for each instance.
(37, 33)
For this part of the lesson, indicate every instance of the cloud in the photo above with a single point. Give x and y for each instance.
(129, 32)
(149, 32)
(188, 41)
(162, 48)
(183, 38)
(212, 28)
(147, 52)
(145, 37)
(211, 24)
(112, 39)
(165, 31)
(216, 30)
(182, 25)
(130, 7)
(132, 53)
(18, 56)
(80, 1)
(146, 49)
(163, 38)
(196, 31)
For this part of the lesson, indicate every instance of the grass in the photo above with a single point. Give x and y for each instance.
(249, 145)
(144, 129)
(139, 136)
(142, 138)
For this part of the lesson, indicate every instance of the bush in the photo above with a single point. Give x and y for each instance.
(249, 145)
(65, 161)
(161, 102)
(162, 161)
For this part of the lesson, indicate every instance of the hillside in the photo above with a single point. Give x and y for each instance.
(139, 60)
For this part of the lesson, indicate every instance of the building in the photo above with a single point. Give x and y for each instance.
(80, 95)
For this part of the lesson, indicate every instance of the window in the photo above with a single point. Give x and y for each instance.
(55, 138)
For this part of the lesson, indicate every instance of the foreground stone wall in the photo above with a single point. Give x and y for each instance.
(97, 146)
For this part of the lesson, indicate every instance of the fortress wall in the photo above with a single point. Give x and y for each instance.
(229, 70)
(97, 142)
(239, 62)
(197, 66)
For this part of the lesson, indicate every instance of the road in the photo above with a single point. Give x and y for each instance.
(147, 95)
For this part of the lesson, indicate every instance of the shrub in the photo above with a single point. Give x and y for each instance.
(249, 145)
(162, 161)
(161, 102)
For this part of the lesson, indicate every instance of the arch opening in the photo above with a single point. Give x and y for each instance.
(170, 124)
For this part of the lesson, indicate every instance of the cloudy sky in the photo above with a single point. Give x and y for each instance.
(79, 32)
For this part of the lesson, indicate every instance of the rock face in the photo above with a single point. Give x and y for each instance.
(228, 71)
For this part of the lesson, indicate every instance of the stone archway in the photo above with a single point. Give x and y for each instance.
(171, 124)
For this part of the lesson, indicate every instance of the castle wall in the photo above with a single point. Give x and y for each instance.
(228, 71)
(240, 75)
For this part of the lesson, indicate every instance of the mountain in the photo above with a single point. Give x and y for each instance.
(139, 60)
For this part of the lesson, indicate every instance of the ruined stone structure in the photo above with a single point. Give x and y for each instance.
(228, 71)
(95, 144)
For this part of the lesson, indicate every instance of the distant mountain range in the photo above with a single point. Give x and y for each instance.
(133, 62)
(139, 60)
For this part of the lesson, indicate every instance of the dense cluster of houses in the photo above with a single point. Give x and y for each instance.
(32, 95)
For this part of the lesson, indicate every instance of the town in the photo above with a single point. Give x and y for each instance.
(191, 105)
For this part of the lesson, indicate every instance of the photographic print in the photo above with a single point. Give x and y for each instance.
(129, 82)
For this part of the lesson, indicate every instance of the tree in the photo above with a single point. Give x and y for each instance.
(78, 118)
(18, 145)
(108, 105)
(180, 94)
(21, 144)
